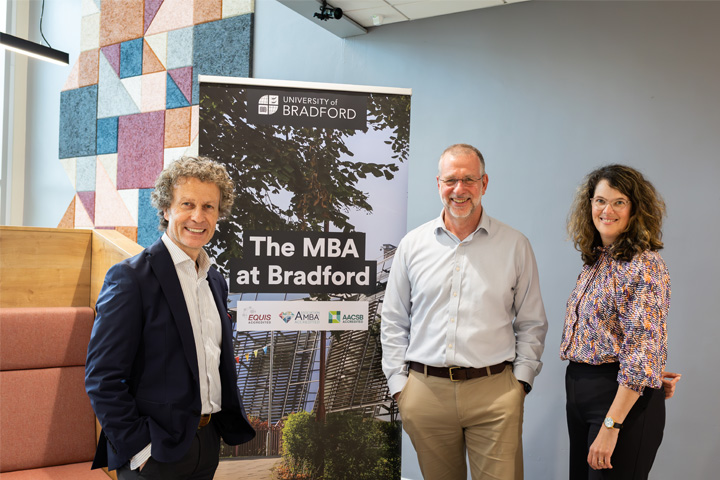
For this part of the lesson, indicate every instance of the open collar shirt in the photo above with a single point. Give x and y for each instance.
(205, 320)
(206, 328)
(469, 303)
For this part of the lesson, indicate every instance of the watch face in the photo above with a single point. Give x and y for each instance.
(609, 422)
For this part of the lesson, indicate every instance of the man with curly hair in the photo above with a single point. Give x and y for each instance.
(160, 371)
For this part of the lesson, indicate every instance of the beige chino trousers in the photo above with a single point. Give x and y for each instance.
(482, 417)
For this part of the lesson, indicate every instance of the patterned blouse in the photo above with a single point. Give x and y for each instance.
(616, 313)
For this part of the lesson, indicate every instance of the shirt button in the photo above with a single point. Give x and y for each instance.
(449, 345)
(454, 294)
(452, 320)
(457, 269)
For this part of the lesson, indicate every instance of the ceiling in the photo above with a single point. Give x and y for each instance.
(359, 15)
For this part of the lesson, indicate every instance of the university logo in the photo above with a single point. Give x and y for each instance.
(286, 316)
(334, 316)
(268, 104)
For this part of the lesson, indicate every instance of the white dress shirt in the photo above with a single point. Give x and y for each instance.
(206, 327)
(469, 303)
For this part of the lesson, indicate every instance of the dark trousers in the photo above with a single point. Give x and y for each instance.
(199, 463)
(590, 391)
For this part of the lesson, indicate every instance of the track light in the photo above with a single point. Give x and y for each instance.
(33, 49)
(327, 12)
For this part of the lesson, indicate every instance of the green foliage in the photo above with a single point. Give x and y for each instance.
(346, 447)
(303, 165)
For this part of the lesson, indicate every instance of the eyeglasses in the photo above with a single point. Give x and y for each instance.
(600, 203)
(467, 181)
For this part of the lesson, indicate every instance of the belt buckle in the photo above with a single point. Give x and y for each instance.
(450, 371)
(204, 420)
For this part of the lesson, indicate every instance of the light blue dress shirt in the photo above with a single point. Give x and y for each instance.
(469, 303)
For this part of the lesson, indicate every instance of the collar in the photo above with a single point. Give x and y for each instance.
(179, 256)
(484, 224)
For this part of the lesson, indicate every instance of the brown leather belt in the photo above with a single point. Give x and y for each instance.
(457, 374)
(204, 420)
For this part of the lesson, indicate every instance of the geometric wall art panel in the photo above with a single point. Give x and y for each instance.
(179, 48)
(131, 58)
(107, 129)
(77, 124)
(130, 103)
(140, 149)
(85, 174)
(147, 218)
(217, 36)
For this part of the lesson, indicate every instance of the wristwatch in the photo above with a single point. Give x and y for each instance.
(610, 423)
(526, 386)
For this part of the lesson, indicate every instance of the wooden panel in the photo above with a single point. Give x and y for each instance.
(44, 267)
(108, 248)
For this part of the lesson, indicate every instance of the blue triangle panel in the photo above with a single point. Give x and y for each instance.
(175, 97)
(131, 58)
(147, 219)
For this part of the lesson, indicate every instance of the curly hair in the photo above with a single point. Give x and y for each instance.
(202, 168)
(644, 231)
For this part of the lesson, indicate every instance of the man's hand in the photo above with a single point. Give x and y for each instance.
(395, 397)
(669, 379)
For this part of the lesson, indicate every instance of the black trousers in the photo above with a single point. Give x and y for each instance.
(199, 463)
(590, 391)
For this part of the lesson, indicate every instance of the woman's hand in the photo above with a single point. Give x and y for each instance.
(669, 379)
(602, 448)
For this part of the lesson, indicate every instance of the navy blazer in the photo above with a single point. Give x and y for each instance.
(141, 372)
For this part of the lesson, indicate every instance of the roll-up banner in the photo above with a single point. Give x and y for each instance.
(321, 175)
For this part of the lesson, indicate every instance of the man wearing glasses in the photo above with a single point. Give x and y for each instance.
(463, 329)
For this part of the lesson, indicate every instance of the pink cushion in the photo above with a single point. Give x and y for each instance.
(76, 471)
(45, 418)
(44, 337)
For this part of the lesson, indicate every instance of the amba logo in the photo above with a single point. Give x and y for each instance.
(334, 316)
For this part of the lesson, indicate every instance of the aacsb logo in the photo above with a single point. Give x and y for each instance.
(286, 316)
(334, 316)
(268, 104)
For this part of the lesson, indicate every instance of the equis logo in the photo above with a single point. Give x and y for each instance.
(268, 104)
(286, 316)
(334, 316)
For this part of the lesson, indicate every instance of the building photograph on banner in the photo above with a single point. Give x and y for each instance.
(321, 182)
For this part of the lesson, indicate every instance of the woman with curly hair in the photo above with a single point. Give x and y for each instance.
(615, 334)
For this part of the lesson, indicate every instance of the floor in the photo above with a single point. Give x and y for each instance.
(247, 468)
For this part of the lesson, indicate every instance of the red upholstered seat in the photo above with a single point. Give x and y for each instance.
(47, 424)
(75, 471)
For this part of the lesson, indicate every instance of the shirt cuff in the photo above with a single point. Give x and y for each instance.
(396, 383)
(141, 457)
(524, 373)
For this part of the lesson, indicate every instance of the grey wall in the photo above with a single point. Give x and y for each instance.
(548, 91)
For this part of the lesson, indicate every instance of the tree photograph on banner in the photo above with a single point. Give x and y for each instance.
(321, 178)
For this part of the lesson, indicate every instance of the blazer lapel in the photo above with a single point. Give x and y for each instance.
(164, 270)
(217, 289)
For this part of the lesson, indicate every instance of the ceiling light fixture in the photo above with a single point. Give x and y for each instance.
(33, 49)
